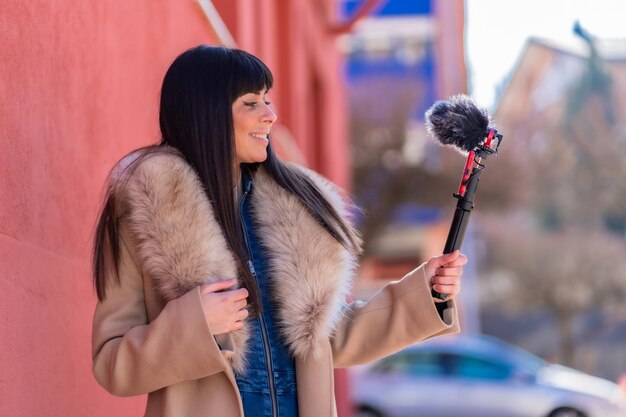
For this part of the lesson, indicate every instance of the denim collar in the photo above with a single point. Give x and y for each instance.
(247, 183)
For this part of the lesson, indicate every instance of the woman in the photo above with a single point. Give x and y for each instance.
(222, 272)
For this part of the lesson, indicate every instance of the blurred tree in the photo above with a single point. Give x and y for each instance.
(565, 256)
(566, 272)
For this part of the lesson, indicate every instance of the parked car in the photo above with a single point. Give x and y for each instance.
(479, 376)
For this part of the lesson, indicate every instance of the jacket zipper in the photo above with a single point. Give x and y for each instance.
(268, 354)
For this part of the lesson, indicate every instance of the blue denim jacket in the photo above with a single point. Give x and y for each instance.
(268, 387)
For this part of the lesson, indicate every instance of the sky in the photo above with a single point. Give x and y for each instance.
(496, 32)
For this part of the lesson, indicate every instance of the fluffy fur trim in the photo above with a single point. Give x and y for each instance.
(181, 246)
(312, 272)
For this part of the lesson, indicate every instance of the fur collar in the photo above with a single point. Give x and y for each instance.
(181, 246)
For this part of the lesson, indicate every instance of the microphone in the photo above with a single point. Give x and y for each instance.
(460, 124)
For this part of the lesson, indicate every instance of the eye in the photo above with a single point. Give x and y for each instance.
(253, 104)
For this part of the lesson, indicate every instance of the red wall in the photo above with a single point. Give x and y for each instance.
(79, 85)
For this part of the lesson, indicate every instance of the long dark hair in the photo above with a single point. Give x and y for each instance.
(196, 119)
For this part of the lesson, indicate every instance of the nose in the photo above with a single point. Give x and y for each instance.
(269, 116)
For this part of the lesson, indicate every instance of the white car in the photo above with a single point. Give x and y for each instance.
(478, 376)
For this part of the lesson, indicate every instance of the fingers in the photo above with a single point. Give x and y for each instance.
(242, 314)
(460, 261)
(454, 259)
(239, 294)
(447, 284)
(449, 290)
(441, 260)
(238, 325)
(239, 317)
(447, 280)
(449, 259)
(239, 304)
(223, 286)
(225, 308)
(219, 285)
(446, 271)
(453, 280)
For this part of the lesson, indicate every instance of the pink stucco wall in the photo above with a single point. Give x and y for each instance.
(79, 85)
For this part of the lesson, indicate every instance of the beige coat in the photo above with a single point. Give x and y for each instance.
(150, 334)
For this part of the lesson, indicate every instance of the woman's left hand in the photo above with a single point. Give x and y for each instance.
(444, 273)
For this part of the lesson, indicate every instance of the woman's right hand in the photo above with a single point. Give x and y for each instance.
(224, 308)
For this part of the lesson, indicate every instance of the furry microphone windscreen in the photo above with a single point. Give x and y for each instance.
(458, 122)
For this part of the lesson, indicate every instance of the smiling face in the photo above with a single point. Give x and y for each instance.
(252, 121)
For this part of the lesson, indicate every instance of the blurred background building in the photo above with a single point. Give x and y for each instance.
(399, 61)
(564, 113)
(551, 267)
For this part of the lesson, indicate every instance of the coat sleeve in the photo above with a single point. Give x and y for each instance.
(400, 314)
(132, 356)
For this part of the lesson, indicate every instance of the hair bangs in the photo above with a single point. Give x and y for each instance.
(251, 75)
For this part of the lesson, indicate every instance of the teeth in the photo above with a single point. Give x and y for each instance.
(258, 135)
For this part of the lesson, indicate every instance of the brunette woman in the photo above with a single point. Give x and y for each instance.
(222, 272)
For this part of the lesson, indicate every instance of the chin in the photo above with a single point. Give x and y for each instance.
(256, 159)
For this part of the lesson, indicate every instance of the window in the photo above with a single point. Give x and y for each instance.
(418, 364)
(477, 368)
